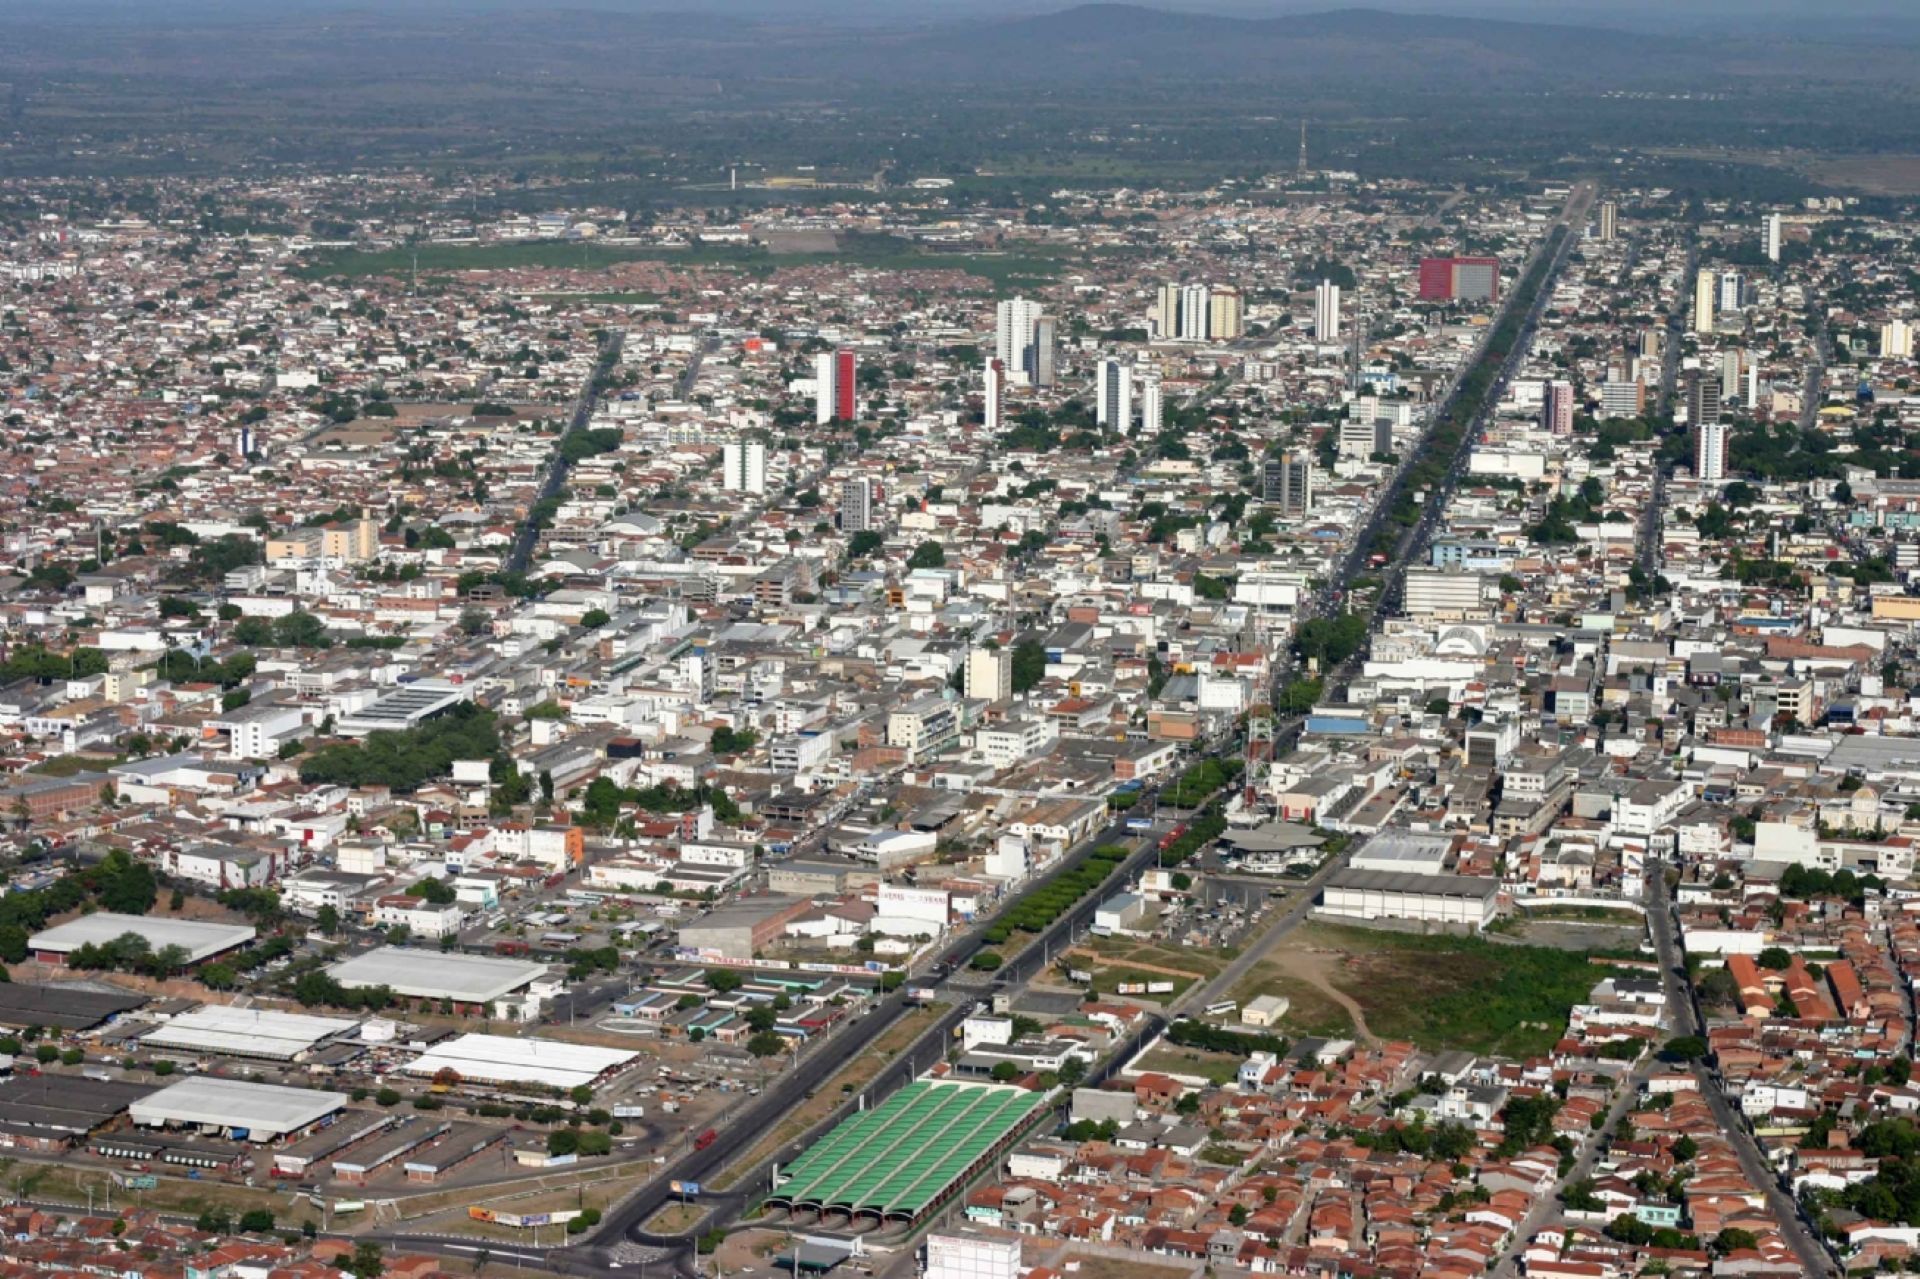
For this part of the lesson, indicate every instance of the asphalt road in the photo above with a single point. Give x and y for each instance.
(529, 534)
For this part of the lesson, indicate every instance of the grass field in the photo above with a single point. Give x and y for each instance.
(72, 765)
(1439, 992)
(838, 1086)
(675, 1219)
(887, 253)
(60, 1183)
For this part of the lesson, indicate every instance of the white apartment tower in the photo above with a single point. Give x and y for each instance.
(1326, 311)
(1609, 221)
(1710, 451)
(744, 467)
(856, 505)
(989, 673)
(1773, 227)
(1114, 392)
(1014, 339)
(1152, 405)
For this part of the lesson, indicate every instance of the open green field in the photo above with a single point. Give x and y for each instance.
(1221, 1068)
(1440, 992)
(880, 252)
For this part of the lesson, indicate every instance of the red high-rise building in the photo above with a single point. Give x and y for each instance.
(843, 387)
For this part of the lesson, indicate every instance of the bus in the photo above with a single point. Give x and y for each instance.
(1224, 1008)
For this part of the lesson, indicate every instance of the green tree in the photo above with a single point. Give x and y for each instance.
(766, 1044)
(256, 1221)
(1029, 665)
(928, 555)
(594, 618)
(367, 1261)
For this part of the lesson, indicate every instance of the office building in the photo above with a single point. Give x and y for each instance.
(1771, 234)
(1446, 593)
(1703, 297)
(1609, 221)
(1460, 279)
(1622, 397)
(1114, 395)
(1015, 332)
(743, 467)
(1896, 339)
(1287, 482)
(1733, 292)
(989, 674)
(1710, 451)
(859, 501)
(1225, 319)
(1556, 408)
(1152, 405)
(1326, 311)
(995, 393)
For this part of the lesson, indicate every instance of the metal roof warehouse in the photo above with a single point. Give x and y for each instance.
(200, 941)
(249, 1032)
(500, 1059)
(427, 974)
(261, 1112)
(900, 1159)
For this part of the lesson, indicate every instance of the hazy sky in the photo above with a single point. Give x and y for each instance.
(1807, 18)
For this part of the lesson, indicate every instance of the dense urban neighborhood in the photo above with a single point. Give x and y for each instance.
(1318, 725)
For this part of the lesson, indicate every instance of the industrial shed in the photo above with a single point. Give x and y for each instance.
(199, 940)
(499, 1059)
(249, 1032)
(432, 974)
(899, 1160)
(258, 1112)
(1441, 899)
(65, 1007)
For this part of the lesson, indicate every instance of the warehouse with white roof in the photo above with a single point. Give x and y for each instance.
(500, 1059)
(431, 974)
(199, 940)
(249, 1032)
(240, 1110)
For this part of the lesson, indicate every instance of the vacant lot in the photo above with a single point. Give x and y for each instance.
(1118, 961)
(1221, 1068)
(1439, 992)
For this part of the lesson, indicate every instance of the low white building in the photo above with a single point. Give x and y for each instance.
(1441, 899)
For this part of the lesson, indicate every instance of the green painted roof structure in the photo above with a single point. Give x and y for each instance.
(899, 1158)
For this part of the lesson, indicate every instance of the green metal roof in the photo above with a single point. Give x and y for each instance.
(903, 1155)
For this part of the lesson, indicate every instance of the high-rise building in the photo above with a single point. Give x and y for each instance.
(825, 367)
(1114, 395)
(743, 467)
(1703, 399)
(1326, 311)
(1195, 311)
(1730, 363)
(1014, 325)
(1045, 342)
(1771, 234)
(1622, 397)
(1750, 392)
(1225, 319)
(989, 673)
(1461, 279)
(1703, 296)
(1152, 405)
(1166, 312)
(1287, 482)
(1733, 292)
(845, 386)
(1609, 221)
(1710, 451)
(996, 393)
(859, 501)
(1896, 339)
(1556, 408)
